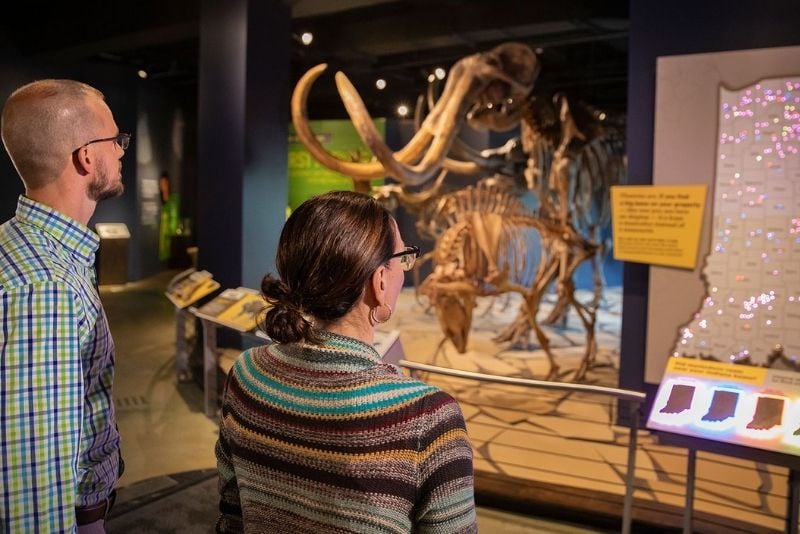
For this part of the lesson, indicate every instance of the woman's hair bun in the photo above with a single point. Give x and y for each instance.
(284, 321)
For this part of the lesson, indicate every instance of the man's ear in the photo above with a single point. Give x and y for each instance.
(83, 160)
(378, 285)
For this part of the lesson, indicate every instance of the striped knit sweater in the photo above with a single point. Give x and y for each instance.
(323, 439)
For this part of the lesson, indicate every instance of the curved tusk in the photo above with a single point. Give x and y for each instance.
(396, 164)
(393, 163)
(441, 123)
(356, 170)
(436, 133)
(473, 164)
(467, 168)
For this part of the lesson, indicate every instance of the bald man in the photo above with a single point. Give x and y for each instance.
(59, 448)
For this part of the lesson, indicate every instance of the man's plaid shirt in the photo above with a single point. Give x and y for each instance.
(59, 445)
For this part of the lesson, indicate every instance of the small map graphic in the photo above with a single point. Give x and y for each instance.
(752, 306)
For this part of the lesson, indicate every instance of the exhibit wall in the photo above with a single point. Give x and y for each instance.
(243, 99)
(162, 140)
(685, 151)
(667, 29)
(13, 74)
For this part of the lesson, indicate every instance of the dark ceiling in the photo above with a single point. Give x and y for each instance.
(582, 44)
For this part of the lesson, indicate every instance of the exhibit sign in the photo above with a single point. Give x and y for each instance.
(112, 230)
(737, 404)
(189, 287)
(308, 177)
(657, 224)
(238, 309)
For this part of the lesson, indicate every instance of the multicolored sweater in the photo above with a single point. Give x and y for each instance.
(323, 439)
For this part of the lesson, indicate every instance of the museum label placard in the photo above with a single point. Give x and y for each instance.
(739, 404)
(191, 288)
(657, 224)
(239, 309)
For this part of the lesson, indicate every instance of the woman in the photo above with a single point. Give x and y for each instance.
(317, 435)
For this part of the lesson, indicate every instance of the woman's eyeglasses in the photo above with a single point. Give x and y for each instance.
(408, 257)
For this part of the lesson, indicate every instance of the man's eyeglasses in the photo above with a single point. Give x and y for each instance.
(408, 257)
(121, 139)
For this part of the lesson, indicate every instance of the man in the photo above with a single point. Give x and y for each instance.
(59, 445)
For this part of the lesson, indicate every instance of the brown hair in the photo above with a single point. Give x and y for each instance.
(328, 249)
(43, 122)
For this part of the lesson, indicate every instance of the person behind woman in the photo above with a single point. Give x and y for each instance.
(316, 433)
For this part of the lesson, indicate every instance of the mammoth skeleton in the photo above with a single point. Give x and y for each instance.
(566, 162)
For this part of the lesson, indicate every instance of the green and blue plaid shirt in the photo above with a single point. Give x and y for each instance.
(59, 445)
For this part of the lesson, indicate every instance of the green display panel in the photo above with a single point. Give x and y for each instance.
(170, 218)
(307, 177)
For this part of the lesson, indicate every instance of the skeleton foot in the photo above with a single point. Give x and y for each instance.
(553, 374)
(558, 313)
(439, 350)
(580, 374)
(517, 333)
(587, 364)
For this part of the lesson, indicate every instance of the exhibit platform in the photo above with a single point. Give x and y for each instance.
(554, 450)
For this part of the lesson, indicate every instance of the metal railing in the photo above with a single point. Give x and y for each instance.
(635, 399)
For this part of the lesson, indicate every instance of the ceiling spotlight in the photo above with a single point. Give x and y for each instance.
(602, 116)
(402, 110)
(380, 83)
(431, 78)
(306, 38)
(142, 74)
(539, 50)
(440, 73)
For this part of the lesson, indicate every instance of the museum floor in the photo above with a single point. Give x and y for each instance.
(552, 461)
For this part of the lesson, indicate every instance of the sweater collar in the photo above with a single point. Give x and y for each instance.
(336, 351)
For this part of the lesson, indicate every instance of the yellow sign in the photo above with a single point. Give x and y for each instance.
(745, 374)
(658, 224)
(238, 308)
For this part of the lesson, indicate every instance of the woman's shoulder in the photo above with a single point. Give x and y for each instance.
(432, 398)
(247, 358)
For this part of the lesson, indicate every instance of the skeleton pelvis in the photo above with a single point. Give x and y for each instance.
(454, 311)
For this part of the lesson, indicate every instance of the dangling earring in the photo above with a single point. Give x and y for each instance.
(373, 314)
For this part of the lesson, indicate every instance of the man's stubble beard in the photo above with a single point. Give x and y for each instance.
(101, 188)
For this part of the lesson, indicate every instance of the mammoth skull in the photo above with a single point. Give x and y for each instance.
(454, 311)
(499, 105)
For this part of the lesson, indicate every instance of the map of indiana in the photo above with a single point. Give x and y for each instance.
(751, 310)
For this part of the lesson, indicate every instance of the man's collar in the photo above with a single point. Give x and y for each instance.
(74, 236)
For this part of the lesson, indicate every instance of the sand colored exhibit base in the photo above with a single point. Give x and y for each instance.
(545, 448)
